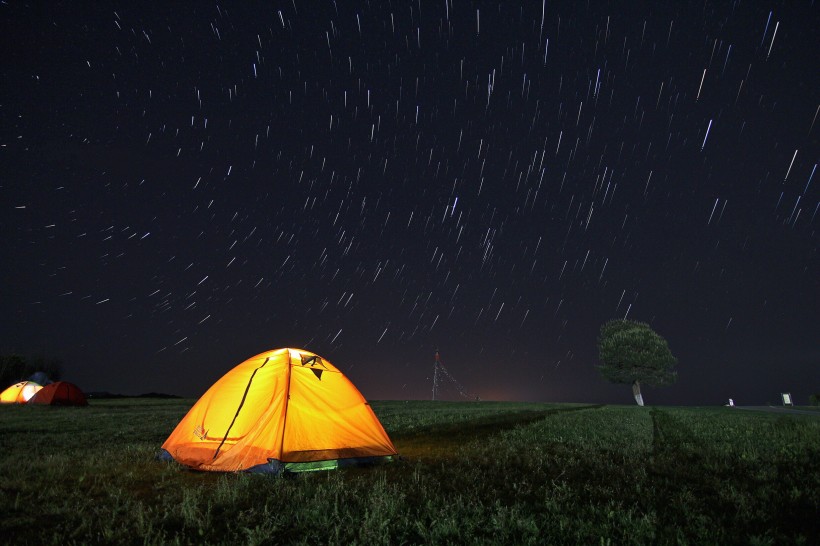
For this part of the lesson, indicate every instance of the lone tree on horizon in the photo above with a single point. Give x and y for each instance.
(632, 352)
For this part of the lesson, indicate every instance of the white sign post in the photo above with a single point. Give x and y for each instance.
(787, 399)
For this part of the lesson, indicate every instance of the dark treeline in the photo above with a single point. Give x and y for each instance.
(14, 368)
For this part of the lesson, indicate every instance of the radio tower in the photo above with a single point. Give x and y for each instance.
(438, 371)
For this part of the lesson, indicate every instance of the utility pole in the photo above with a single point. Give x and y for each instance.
(440, 371)
(436, 365)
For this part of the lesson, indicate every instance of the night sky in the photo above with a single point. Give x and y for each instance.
(185, 186)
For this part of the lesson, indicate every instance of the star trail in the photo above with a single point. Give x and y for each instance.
(187, 185)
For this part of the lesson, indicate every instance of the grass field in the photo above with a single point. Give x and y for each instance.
(470, 473)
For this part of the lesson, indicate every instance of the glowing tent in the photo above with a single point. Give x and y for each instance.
(19, 393)
(60, 393)
(286, 410)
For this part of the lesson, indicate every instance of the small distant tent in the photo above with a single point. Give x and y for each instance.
(61, 393)
(19, 393)
(286, 410)
(41, 378)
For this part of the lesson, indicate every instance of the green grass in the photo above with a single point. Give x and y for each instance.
(470, 473)
(808, 408)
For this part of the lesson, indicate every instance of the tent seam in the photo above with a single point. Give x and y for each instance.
(241, 403)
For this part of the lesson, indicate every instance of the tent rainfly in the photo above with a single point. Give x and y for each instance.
(19, 393)
(61, 393)
(286, 410)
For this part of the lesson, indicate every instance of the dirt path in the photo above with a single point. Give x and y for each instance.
(778, 409)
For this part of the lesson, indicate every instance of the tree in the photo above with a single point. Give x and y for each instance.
(632, 352)
(12, 368)
(15, 368)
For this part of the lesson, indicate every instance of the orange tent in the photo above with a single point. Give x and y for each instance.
(60, 393)
(19, 393)
(286, 410)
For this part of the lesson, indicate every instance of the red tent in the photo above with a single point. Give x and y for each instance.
(60, 393)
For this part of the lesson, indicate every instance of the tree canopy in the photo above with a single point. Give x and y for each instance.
(15, 368)
(633, 352)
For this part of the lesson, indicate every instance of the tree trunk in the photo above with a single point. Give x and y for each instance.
(636, 392)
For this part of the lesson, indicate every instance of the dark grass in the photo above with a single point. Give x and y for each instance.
(470, 473)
